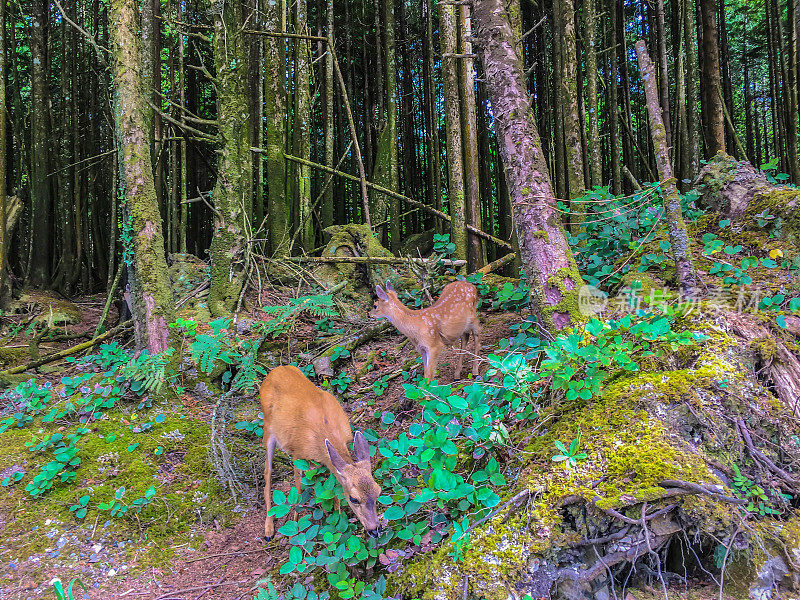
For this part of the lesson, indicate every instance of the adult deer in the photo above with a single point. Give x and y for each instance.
(309, 423)
(452, 317)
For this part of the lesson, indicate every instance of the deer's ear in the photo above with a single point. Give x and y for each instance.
(381, 293)
(389, 286)
(360, 447)
(336, 460)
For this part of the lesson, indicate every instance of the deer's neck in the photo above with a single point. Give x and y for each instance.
(406, 321)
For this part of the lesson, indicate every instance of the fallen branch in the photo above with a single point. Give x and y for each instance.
(515, 501)
(497, 264)
(761, 457)
(69, 351)
(376, 260)
(700, 489)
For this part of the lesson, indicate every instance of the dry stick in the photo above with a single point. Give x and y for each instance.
(107, 306)
(392, 194)
(727, 551)
(761, 457)
(699, 489)
(513, 502)
(377, 260)
(646, 532)
(351, 123)
(69, 351)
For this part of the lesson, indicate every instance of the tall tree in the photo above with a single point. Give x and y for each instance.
(41, 215)
(679, 239)
(391, 122)
(476, 254)
(711, 82)
(613, 100)
(4, 241)
(553, 276)
(275, 110)
(569, 103)
(592, 125)
(233, 193)
(327, 202)
(663, 70)
(692, 73)
(151, 293)
(448, 31)
(301, 129)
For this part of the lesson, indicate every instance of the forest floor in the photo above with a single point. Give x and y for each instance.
(213, 560)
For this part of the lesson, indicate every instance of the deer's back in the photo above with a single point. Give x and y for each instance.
(301, 416)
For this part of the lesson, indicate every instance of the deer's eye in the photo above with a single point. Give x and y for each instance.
(353, 500)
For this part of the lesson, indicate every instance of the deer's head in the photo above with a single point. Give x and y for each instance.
(360, 488)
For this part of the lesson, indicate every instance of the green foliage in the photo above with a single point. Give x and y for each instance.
(61, 594)
(569, 457)
(618, 227)
(759, 503)
(284, 317)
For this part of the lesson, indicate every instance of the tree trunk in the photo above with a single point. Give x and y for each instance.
(275, 110)
(663, 70)
(391, 124)
(679, 239)
(327, 202)
(4, 239)
(593, 128)
(569, 104)
(151, 297)
(711, 84)
(476, 253)
(553, 276)
(452, 109)
(613, 103)
(301, 129)
(789, 97)
(233, 193)
(692, 112)
(41, 215)
(432, 132)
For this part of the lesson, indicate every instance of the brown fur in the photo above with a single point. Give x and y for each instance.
(451, 318)
(309, 423)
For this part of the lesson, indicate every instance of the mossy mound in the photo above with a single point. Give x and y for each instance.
(653, 438)
(52, 310)
(187, 272)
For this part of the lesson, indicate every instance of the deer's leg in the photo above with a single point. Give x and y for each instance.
(432, 354)
(269, 523)
(476, 334)
(462, 347)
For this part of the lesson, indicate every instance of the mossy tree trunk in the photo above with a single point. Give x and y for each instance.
(391, 124)
(592, 124)
(327, 203)
(613, 100)
(275, 110)
(452, 108)
(301, 130)
(553, 276)
(477, 252)
(233, 192)
(3, 163)
(151, 293)
(569, 104)
(679, 239)
(692, 74)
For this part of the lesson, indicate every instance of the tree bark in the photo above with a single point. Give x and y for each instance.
(151, 297)
(452, 109)
(275, 110)
(592, 125)
(476, 252)
(613, 103)
(553, 276)
(432, 131)
(391, 123)
(679, 239)
(789, 96)
(233, 191)
(663, 70)
(4, 240)
(326, 213)
(692, 112)
(711, 83)
(41, 215)
(301, 128)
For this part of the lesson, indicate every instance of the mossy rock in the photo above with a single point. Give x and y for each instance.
(11, 357)
(418, 244)
(54, 311)
(646, 428)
